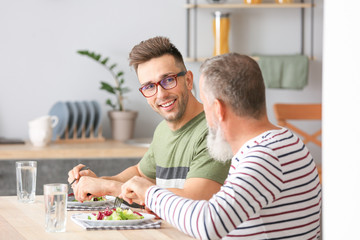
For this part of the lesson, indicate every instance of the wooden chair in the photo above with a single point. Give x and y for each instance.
(287, 112)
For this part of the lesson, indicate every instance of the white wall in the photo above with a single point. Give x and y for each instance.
(341, 117)
(39, 38)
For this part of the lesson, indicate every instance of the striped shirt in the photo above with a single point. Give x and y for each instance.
(272, 192)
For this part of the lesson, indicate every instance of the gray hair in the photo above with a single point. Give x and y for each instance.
(236, 80)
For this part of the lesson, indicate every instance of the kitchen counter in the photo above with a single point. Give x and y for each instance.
(54, 161)
(106, 149)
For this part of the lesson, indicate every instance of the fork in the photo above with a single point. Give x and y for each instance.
(118, 201)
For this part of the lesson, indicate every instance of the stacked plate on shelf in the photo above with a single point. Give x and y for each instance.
(76, 119)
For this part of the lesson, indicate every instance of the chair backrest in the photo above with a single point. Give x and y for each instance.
(286, 112)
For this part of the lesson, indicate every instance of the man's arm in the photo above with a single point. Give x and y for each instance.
(104, 185)
(197, 189)
(126, 174)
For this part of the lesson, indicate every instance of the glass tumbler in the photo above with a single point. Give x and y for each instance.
(26, 181)
(55, 199)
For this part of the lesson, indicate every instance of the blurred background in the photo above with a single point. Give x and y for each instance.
(39, 65)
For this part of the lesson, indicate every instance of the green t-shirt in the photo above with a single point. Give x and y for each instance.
(174, 156)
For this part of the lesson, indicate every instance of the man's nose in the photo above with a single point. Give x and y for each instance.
(161, 91)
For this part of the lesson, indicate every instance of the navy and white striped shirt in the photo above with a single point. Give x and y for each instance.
(272, 192)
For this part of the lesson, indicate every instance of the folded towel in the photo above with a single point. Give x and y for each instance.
(284, 71)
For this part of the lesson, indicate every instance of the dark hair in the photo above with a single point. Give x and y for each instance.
(153, 48)
(236, 80)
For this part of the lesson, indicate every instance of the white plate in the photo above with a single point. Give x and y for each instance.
(97, 119)
(60, 110)
(92, 203)
(89, 123)
(73, 116)
(83, 217)
(81, 118)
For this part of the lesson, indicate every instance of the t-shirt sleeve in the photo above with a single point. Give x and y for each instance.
(204, 166)
(147, 164)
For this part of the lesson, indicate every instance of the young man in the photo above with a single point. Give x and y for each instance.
(273, 189)
(177, 158)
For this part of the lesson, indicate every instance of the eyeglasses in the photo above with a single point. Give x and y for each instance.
(166, 83)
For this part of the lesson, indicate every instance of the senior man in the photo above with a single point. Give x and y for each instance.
(273, 189)
(177, 158)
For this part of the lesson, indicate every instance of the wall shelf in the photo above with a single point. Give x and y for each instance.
(243, 5)
(192, 8)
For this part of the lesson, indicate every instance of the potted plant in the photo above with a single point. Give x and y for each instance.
(122, 121)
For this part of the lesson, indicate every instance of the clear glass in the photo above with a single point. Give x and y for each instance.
(55, 200)
(26, 181)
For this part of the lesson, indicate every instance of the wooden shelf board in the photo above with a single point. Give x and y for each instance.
(243, 5)
(202, 59)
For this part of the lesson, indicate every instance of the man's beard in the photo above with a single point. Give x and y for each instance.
(218, 147)
(182, 105)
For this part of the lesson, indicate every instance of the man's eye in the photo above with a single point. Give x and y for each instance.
(148, 87)
(168, 80)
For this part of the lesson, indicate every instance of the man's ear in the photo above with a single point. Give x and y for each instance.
(189, 77)
(220, 109)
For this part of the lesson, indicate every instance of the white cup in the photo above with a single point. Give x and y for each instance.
(40, 130)
(55, 199)
(26, 181)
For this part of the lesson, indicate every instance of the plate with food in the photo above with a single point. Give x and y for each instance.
(94, 202)
(113, 217)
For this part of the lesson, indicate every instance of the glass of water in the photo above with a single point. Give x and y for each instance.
(26, 181)
(55, 199)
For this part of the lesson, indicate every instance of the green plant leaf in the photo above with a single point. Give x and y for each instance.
(108, 102)
(107, 87)
(122, 90)
(83, 52)
(125, 90)
(112, 66)
(104, 61)
(97, 57)
(118, 91)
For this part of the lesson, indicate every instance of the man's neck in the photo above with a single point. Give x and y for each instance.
(241, 130)
(193, 109)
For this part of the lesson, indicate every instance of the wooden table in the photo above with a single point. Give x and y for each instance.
(26, 221)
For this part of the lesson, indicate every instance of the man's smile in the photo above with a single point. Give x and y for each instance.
(167, 104)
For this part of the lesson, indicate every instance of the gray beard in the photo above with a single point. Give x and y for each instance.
(218, 148)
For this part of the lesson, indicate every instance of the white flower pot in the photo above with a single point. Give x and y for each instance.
(122, 124)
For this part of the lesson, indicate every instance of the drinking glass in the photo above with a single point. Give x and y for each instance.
(26, 181)
(55, 199)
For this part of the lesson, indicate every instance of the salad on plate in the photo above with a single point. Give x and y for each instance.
(115, 214)
(95, 201)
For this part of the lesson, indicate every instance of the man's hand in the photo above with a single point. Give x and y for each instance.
(88, 187)
(76, 173)
(134, 190)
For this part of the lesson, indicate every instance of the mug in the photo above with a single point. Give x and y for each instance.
(40, 130)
